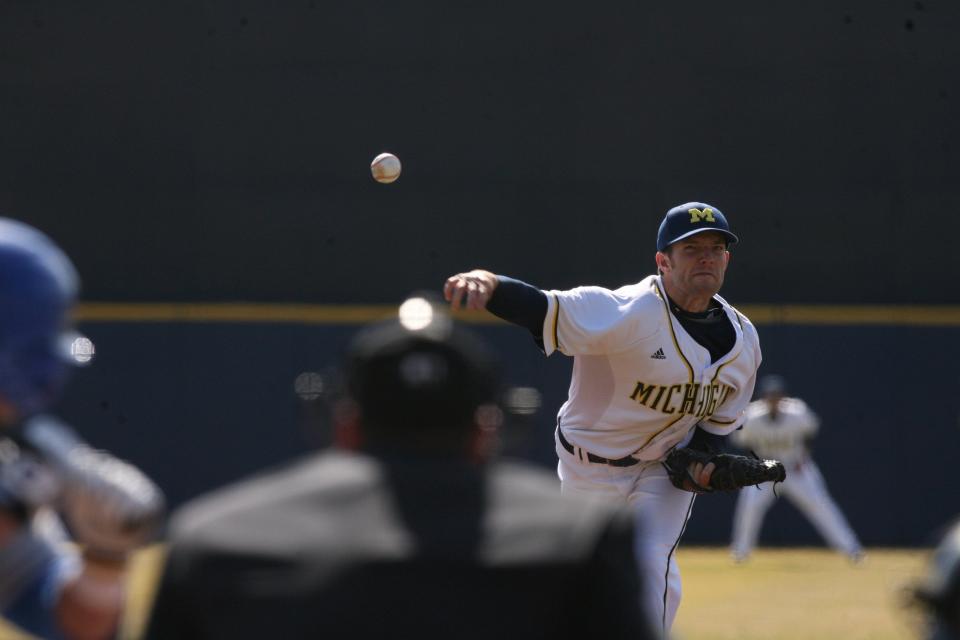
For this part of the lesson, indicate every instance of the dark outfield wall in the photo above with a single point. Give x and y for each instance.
(219, 150)
(200, 405)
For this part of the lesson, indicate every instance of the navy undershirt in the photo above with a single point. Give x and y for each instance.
(711, 328)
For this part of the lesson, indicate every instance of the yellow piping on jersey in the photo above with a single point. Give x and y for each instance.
(669, 424)
(715, 375)
(717, 372)
(666, 308)
(723, 422)
(556, 322)
(743, 337)
(739, 316)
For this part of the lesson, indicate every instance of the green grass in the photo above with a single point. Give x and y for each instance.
(795, 594)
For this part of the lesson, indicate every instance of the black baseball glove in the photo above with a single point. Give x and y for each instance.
(731, 473)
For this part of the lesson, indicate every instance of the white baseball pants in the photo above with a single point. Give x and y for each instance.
(662, 512)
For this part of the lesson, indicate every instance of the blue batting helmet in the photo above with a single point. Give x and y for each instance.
(38, 287)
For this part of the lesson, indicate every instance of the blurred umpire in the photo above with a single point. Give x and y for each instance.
(406, 528)
(47, 587)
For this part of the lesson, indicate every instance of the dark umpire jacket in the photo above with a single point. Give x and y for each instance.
(344, 545)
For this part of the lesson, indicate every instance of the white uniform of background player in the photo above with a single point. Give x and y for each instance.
(640, 383)
(780, 427)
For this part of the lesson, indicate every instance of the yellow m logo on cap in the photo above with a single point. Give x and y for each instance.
(696, 215)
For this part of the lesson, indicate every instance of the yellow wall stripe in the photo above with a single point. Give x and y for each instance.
(241, 312)
(872, 314)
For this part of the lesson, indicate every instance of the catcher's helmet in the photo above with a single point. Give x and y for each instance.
(38, 287)
(688, 219)
(421, 370)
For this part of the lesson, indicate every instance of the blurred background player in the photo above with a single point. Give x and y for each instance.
(781, 427)
(47, 587)
(406, 528)
(939, 591)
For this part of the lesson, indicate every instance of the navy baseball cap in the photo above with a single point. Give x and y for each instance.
(691, 218)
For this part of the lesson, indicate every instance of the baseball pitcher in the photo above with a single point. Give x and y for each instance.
(663, 369)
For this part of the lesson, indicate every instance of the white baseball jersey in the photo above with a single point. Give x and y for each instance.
(640, 382)
(782, 439)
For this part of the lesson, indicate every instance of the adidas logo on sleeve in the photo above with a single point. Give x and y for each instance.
(659, 355)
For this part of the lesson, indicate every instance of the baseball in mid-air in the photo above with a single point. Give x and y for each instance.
(385, 168)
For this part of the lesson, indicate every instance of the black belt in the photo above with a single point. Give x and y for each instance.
(629, 461)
